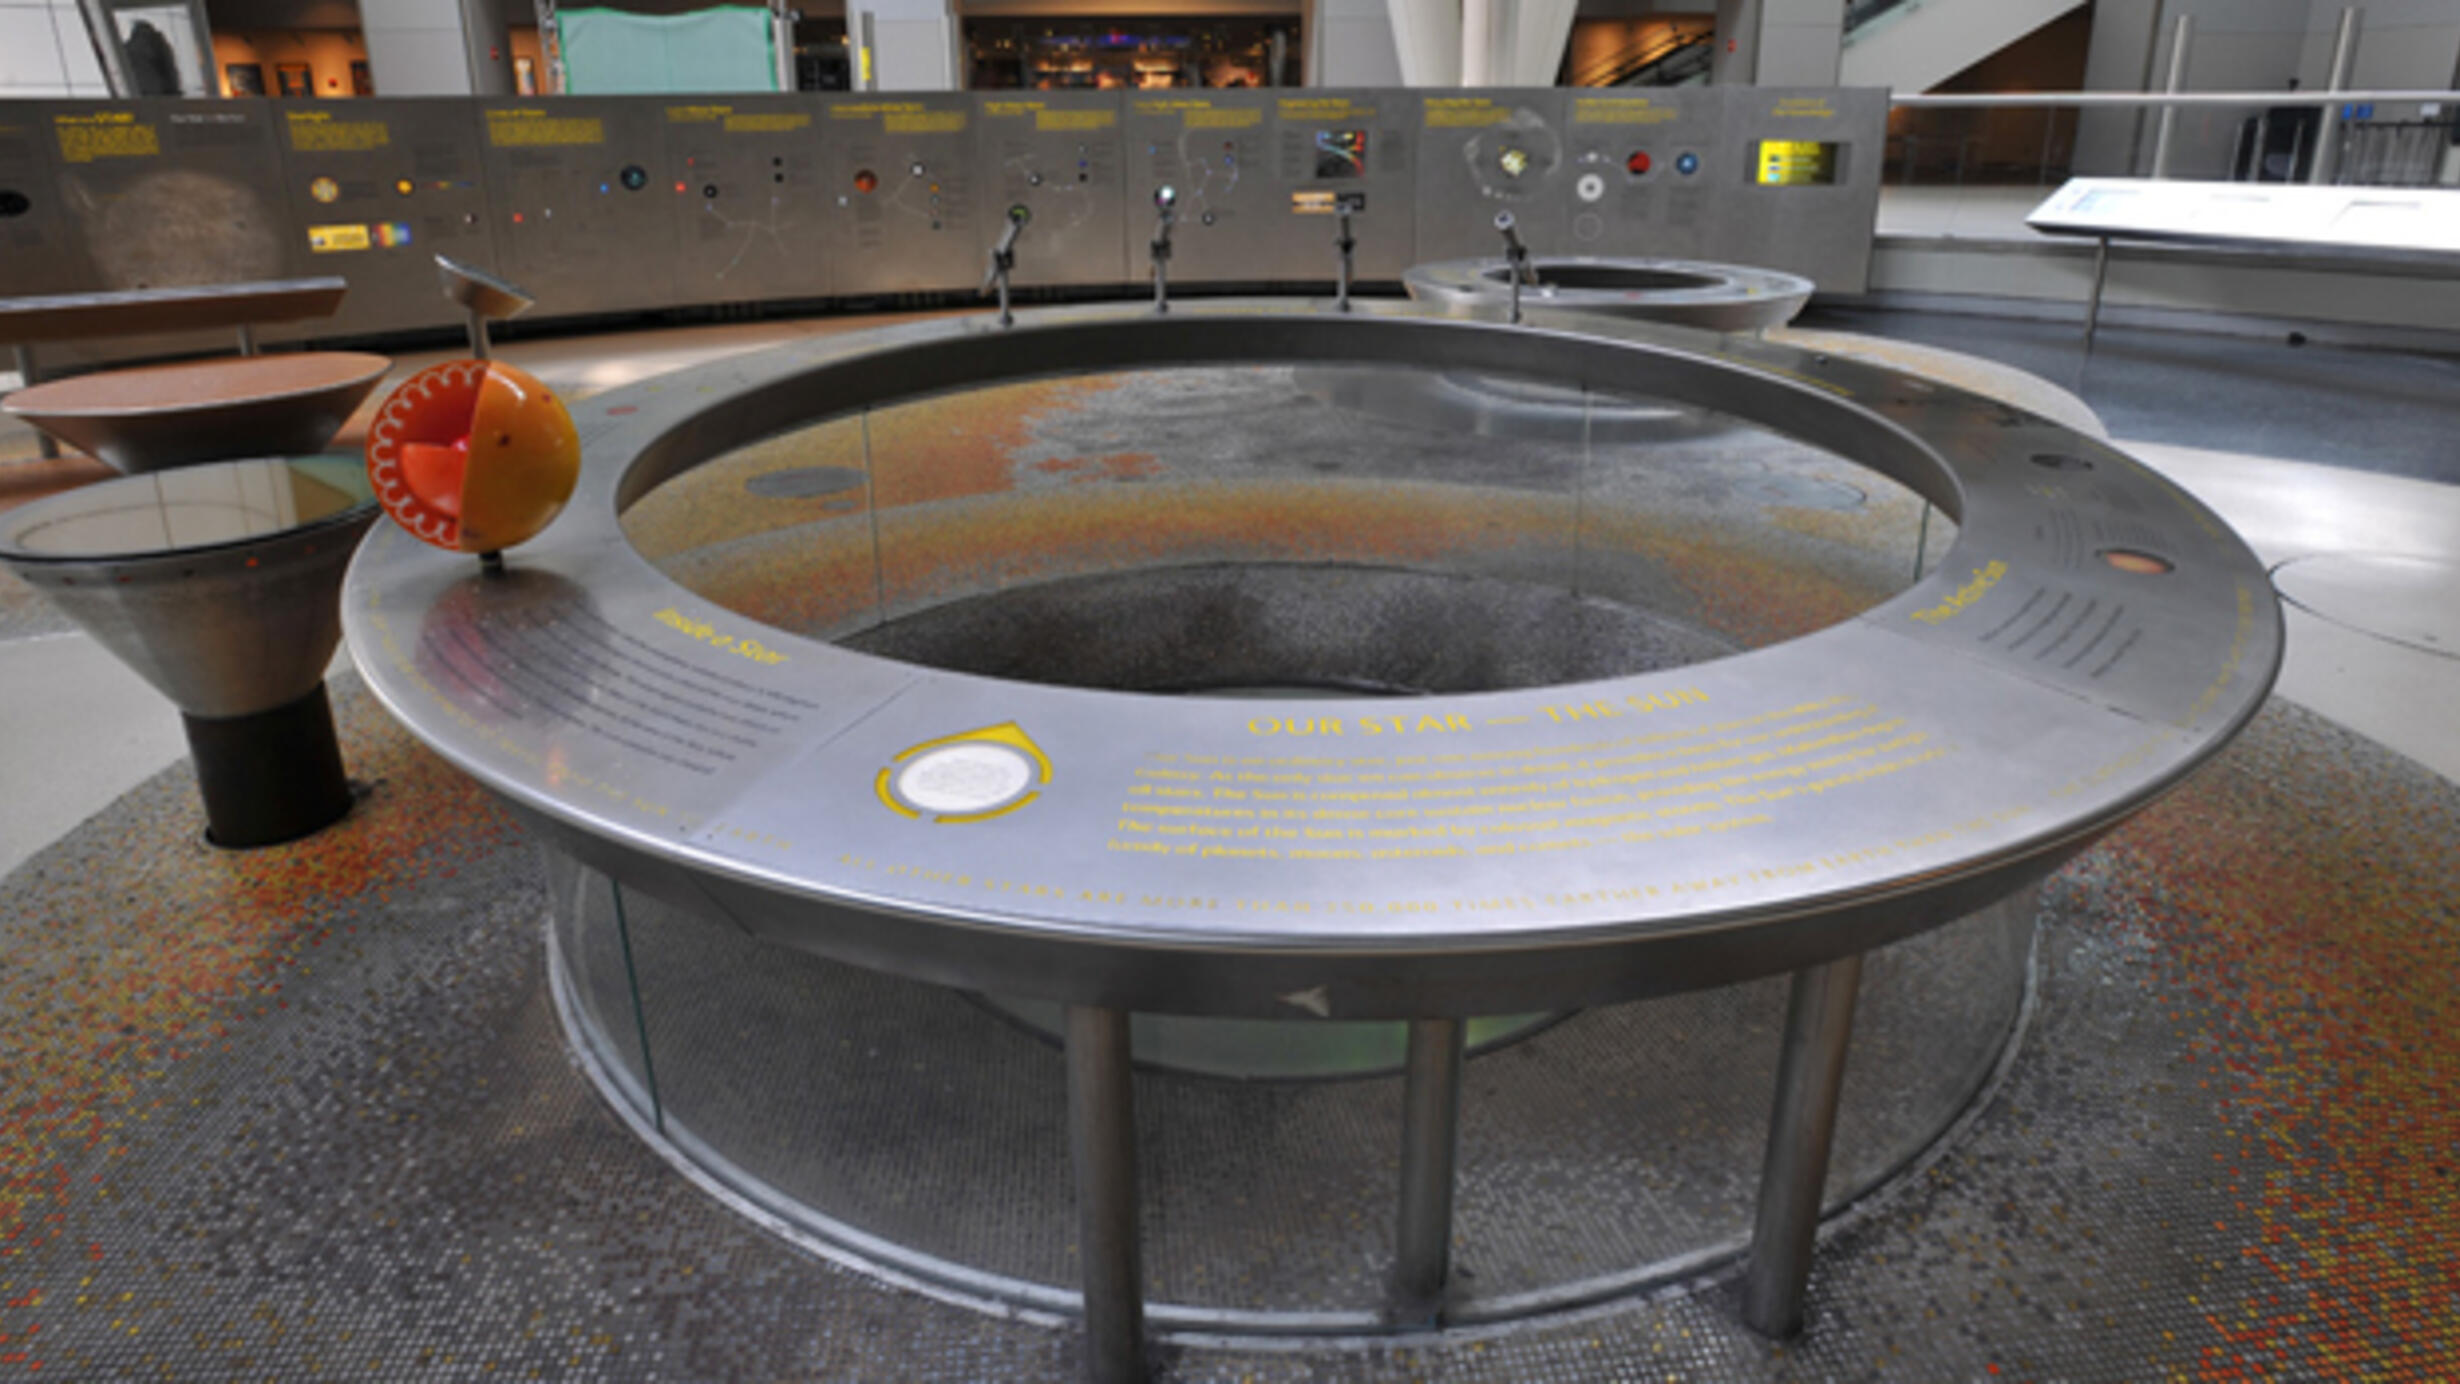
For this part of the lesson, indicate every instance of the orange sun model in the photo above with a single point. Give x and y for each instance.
(473, 456)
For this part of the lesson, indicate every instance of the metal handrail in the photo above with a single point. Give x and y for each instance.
(1639, 57)
(1861, 12)
(2168, 98)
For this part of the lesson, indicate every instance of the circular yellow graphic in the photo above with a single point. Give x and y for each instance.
(972, 776)
(324, 189)
(965, 778)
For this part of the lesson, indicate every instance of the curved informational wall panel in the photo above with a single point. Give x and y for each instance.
(1645, 169)
(569, 227)
(38, 246)
(750, 182)
(907, 202)
(1484, 152)
(147, 194)
(1213, 148)
(624, 204)
(375, 190)
(1056, 154)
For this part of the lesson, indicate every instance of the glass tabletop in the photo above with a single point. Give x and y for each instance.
(188, 509)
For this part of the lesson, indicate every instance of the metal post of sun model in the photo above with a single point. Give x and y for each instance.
(2092, 303)
(1819, 1020)
(1430, 1142)
(1164, 199)
(1518, 254)
(1347, 244)
(2327, 131)
(2182, 36)
(1003, 262)
(247, 339)
(1102, 1143)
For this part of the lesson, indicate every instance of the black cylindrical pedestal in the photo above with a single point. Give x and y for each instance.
(269, 777)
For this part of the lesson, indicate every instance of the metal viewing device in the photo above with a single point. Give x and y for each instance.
(1344, 206)
(1165, 202)
(1516, 256)
(1003, 259)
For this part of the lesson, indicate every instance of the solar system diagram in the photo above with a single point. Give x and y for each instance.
(748, 231)
(1207, 173)
(1513, 159)
(1064, 192)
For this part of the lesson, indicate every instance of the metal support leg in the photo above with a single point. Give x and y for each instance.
(45, 445)
(2092, 305)
(1347, 244)
(1102, 1142)
(1430, 1142)
(247, 339)
(1819, 1020)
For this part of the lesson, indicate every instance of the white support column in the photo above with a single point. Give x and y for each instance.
(1525, 40)
(1778, 42)
(1801, 42)
(1427, 34)
(1350, 43)
(1737, 59)
(914, 45)
(1475, 43)
(44, 51)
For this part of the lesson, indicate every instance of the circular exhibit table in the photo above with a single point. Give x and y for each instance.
(152, 417)
(217, 585)
(2093, 634)
(1682, 293)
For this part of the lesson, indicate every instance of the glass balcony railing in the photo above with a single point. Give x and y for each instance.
(1973, 165)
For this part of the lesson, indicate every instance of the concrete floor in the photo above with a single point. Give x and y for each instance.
(2374, 647)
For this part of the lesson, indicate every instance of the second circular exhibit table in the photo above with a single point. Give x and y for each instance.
(2092, 635)
(1685, 293)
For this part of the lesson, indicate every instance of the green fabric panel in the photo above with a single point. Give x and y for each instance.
(613, 53)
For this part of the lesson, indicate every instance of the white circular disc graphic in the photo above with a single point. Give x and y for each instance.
(969, 777)
(1590, 187)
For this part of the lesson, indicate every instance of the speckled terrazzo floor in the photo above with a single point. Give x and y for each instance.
(305, 1113)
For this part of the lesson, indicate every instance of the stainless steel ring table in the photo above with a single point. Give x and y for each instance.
(2092, 636)
(1688, 293)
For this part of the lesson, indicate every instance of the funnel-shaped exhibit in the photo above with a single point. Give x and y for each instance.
(481, 292)
(155, 417)
(218, 585)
